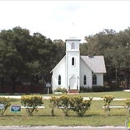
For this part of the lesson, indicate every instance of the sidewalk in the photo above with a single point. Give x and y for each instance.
(61, 128)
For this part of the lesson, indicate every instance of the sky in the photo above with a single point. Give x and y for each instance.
(64, 19)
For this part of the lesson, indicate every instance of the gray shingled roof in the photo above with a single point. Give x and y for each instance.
(95, 63)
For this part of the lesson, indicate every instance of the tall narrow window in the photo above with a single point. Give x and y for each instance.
(85, 80)
(72, 46)
(59, 80)
(72, 60)
(94, 79)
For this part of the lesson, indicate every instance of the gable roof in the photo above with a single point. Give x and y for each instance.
(95, 63)
(58, 63)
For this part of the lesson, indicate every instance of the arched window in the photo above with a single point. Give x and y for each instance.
(94, 79)
(85, 80)
(72, 60)
(59, 80)
(72, 46)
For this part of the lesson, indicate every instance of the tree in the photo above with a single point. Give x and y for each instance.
(115, 48)
(43, 52)
(123, 38)
(26, 56)
(14, 53)
(102, 44)
(60, 50)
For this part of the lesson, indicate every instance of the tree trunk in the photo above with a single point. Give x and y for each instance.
(2, 84)
(126, 79)
(13, 80)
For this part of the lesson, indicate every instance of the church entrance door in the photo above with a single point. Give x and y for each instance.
(73, 83)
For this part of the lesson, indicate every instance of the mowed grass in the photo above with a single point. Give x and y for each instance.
(116, 94)
(95, 116)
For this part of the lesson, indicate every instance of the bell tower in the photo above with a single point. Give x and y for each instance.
(72, 63)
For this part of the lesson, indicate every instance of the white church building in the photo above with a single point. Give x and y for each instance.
(75, 70)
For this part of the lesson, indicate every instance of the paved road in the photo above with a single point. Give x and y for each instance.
(62, 128)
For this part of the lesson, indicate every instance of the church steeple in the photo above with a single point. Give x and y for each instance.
(72, 63)
(72, 44)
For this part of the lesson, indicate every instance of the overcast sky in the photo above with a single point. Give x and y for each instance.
(63, 19)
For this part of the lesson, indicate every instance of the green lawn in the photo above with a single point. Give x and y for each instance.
(116, 94)
(93, 117)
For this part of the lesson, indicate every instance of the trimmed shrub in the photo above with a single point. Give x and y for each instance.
(79, 105)
(100, 88)
(95, 89)
(53, 103)
(59, 89)
(31, 102)
(107, 101)
(127, 104)
(6, 103)
(85, 89)
(75, 103)
(64, 102)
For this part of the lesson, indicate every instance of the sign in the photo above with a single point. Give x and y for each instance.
(48, 85)
(2, 106)
(15, 108)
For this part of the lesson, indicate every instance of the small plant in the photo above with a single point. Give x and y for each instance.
(31, 102)
(6, 103)
(59, 89)
(53, 103)
(64, 102)
(107, 101)
(127, 104)
(75, 103)
(79, 105)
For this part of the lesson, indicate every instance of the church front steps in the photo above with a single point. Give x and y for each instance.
(75, 91)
